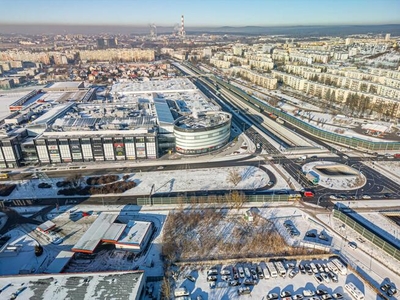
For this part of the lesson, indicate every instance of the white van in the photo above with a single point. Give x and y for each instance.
(314, 268)
(179, 292)
(266, 272)
(272, 269)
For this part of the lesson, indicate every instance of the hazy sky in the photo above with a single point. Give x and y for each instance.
(201, 12)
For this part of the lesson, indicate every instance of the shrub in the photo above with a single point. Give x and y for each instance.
(6, 189)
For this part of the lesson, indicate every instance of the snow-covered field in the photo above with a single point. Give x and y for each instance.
(169, 181)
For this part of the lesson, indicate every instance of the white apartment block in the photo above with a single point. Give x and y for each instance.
(263, 80)
(222, 64)
(385, 95)
(133, 54)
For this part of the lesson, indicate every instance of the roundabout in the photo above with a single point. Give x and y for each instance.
(333, 175)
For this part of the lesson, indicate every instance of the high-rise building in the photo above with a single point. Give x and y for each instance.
(105, 43)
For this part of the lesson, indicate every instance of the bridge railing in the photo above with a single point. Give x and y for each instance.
(212, 199)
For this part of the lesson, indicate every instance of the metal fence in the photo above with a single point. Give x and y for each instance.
(211, 199)
(329, 136)
(369, 235)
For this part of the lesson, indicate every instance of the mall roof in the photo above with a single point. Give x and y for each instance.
(158, 86)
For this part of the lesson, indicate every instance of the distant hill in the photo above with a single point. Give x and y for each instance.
(334, 30)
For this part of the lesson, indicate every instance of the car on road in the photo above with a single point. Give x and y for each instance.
(366, 197)
(191, 278)
(353, 245)
(332, 197)
(270, 183)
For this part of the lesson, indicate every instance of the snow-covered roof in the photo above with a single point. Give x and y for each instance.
(61, 260)
(85, 286)
(135, 232)
(46, 226)
(114, 232)
(375, 127)
(92, 237)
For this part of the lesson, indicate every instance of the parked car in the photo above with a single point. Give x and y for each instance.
(234, 283)
(318, 279)
(244, 290)
(285, 294)
(326, 297)
(337, 296)
(293, 273)
(311, 235)
(325, 277)
(302, 269)
(308, 293)
(321, 292)
(272, 296)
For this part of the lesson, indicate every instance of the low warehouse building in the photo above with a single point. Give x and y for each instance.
(133, 236)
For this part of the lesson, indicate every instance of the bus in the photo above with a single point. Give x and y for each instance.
(354, 291)
(281, 269)
(4, 176)
(342, 269)
(272, 269)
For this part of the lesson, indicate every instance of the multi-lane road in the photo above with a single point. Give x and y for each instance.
(377, 186)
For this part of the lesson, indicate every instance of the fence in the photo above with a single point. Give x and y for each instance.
(212, 199)
(369, 235)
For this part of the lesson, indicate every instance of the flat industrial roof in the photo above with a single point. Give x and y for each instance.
(114, 232)
(46, 226)
(55, 111)
(134, 232)
(164, 85)
(64, 84)
(61, 260)
(92, 237)
(84, 286)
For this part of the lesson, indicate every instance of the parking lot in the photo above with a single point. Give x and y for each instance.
(302, 280)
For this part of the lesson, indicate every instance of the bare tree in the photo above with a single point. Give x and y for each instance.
(234, 177)
(237, 199)
(75, 180)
